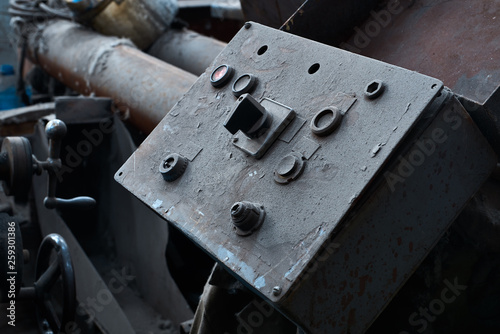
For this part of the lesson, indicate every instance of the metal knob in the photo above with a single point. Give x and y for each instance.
(247, 217)
(249, 117)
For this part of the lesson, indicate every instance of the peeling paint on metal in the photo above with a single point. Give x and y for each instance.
(157, 204)
(260, 282)
(247, 272)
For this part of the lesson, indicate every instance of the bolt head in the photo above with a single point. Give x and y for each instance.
(276, 290)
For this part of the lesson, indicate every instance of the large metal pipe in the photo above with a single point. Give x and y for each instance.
(187, 49)
(142, 87)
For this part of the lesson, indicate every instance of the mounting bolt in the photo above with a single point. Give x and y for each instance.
(277, 291)
(173, 166)
(247, 217)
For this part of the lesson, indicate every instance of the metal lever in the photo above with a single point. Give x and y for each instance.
(56, 130)
(249, 117)
(79, 203)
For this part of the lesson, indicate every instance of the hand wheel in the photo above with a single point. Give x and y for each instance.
(47, 273)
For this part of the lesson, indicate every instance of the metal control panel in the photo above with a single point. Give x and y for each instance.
(319, 177)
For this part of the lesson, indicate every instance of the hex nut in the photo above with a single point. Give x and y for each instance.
(374, 89)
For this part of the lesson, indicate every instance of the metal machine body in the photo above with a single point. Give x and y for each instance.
(375, 191)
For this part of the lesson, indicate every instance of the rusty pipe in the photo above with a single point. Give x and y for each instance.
(143, 88)
(187, 49)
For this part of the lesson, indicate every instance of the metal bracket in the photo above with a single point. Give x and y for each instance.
(256, 147)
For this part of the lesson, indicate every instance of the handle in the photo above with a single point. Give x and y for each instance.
(79, 203)
(56, 130)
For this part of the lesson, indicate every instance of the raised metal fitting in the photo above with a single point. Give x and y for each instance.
(173, 166)
(247, 217)
(374, 89)
(289, 168)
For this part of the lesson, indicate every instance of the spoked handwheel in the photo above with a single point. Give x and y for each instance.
(48, 271)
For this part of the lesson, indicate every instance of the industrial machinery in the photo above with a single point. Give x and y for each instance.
(333, 168)
(292, 162)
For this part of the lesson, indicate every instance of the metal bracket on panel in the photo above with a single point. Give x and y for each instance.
(255, 126)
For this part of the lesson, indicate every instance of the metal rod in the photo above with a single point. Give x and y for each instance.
(187, 49)
(143, 88)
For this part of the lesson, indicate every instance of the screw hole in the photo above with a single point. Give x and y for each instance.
(434, 86)
(262, 50)
(169, 162)
(372, 87)
(120, 174)
(324, 118)
(313, 69)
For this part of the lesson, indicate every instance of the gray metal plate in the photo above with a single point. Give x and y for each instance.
(300, 216)
(363, 267)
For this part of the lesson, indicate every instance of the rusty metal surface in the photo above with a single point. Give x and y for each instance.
(21, 121)
(398, 225)
(139, 20)
(26, 114)
(328, 21)
(338, 171)
(272, 13)
(485, 116)
(187, 50)
(81, 110)
(143, 88)
(455, 41)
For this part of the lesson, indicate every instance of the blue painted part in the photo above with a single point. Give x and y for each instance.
(10, 100)
(6, 69)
